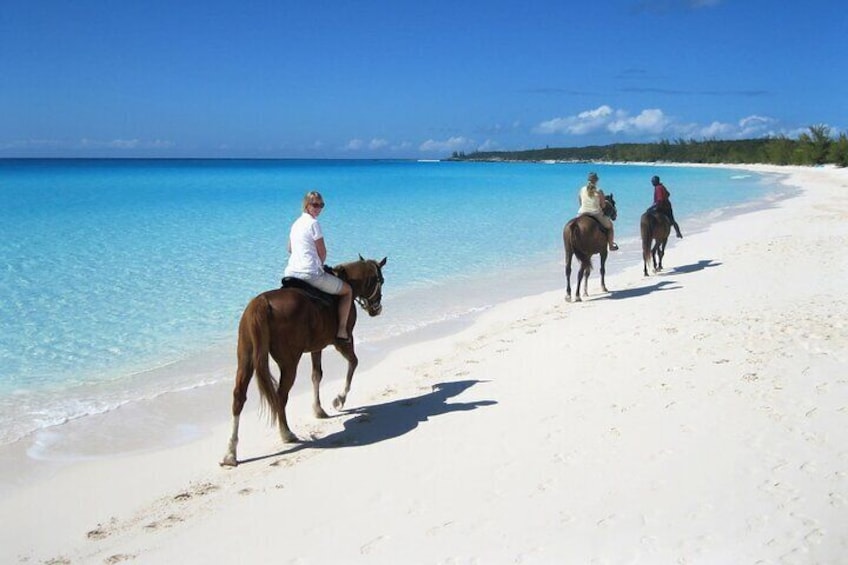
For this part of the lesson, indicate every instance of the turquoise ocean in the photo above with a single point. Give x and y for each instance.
(122, 280)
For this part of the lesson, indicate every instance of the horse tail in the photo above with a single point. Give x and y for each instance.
(254, 348)
(573, 236)
(646, 228)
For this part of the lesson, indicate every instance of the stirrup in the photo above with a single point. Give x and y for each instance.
(613, 246)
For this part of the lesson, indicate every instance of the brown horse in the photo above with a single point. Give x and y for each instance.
(655, 228)
(583, 236)
(286, 323)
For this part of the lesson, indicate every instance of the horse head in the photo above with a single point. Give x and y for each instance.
(365, 277)
(609, 207)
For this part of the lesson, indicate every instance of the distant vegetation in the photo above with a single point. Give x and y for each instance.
(816, 147)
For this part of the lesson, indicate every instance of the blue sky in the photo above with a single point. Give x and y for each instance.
(265, 78)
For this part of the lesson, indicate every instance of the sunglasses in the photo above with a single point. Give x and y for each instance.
(317, 204)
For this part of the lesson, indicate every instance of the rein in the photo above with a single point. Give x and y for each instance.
(365, 302)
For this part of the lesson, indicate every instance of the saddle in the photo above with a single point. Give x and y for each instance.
(654, 209)
(313, 293)
(601, 226)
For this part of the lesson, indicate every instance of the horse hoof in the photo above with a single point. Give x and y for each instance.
(568, 299)
(578, 299)
(319, 413)
(229, 461)
(338, 403)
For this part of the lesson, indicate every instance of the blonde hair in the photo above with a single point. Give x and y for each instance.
(591, 183)
(311, 196)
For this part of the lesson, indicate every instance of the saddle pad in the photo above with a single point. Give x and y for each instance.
(311, 291)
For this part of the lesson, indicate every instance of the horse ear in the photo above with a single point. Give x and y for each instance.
(383, 262)
(361, 258)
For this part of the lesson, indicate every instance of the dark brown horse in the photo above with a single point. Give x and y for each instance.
(583, 236)
(655, 227)
(286, 323)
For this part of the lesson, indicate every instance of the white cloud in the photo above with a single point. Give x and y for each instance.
(360, 144)
(354, 145)
(716, 130)
(451, 144)
(582, 123)
(377, 143)
(750, 127)
(651, 121)
(756, 125)
(489, 145)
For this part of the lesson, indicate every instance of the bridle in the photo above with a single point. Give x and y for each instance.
(366, 302)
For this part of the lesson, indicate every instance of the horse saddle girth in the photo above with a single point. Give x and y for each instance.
(312, 292)
(601, 226)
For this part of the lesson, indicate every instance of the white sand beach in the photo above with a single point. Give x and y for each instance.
(696, 416)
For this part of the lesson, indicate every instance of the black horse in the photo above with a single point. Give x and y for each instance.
(655, 228)
(584, 236)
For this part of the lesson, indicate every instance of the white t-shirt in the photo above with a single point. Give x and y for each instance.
(304, 260)
(589, 203)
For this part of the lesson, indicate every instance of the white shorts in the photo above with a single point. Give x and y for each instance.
(324, 281)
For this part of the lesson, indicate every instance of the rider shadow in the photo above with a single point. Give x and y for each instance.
(380, 422)
(699, 266)
(643, 290)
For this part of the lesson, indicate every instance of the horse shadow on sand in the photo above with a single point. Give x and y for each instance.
(380, 422)
(664, 285)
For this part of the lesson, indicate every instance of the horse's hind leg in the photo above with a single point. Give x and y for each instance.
(317, 374)
(603, 272)
(581, 274)
(568, 257)
(243, 376)
(352, 361)
(288, 372)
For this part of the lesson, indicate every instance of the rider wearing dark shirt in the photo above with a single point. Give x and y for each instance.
(662, 203)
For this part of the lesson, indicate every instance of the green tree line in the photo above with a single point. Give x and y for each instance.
(814, 147)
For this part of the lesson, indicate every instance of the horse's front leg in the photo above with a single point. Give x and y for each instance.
(352, 361)
(317, 374)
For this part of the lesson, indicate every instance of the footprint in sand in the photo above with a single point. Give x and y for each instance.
(371, 545)
(169, 521)
(97, 533)
(118, 557)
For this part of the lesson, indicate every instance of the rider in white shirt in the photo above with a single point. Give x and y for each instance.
(308, 253)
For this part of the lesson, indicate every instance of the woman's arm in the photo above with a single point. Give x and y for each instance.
(322, 249)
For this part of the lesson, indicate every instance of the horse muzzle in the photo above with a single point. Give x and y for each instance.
(374, 309)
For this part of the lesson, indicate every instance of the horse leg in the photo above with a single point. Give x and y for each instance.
(288, 372)
(654, 253)
(586, 273)
(317, 374)
(568, 256)
(661, 253)
(580, 276)
(603, 270)
(243, 376)
(352, 361)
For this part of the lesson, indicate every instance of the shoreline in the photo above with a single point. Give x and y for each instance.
(579, 432)
(39, 449)
(115, 390)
